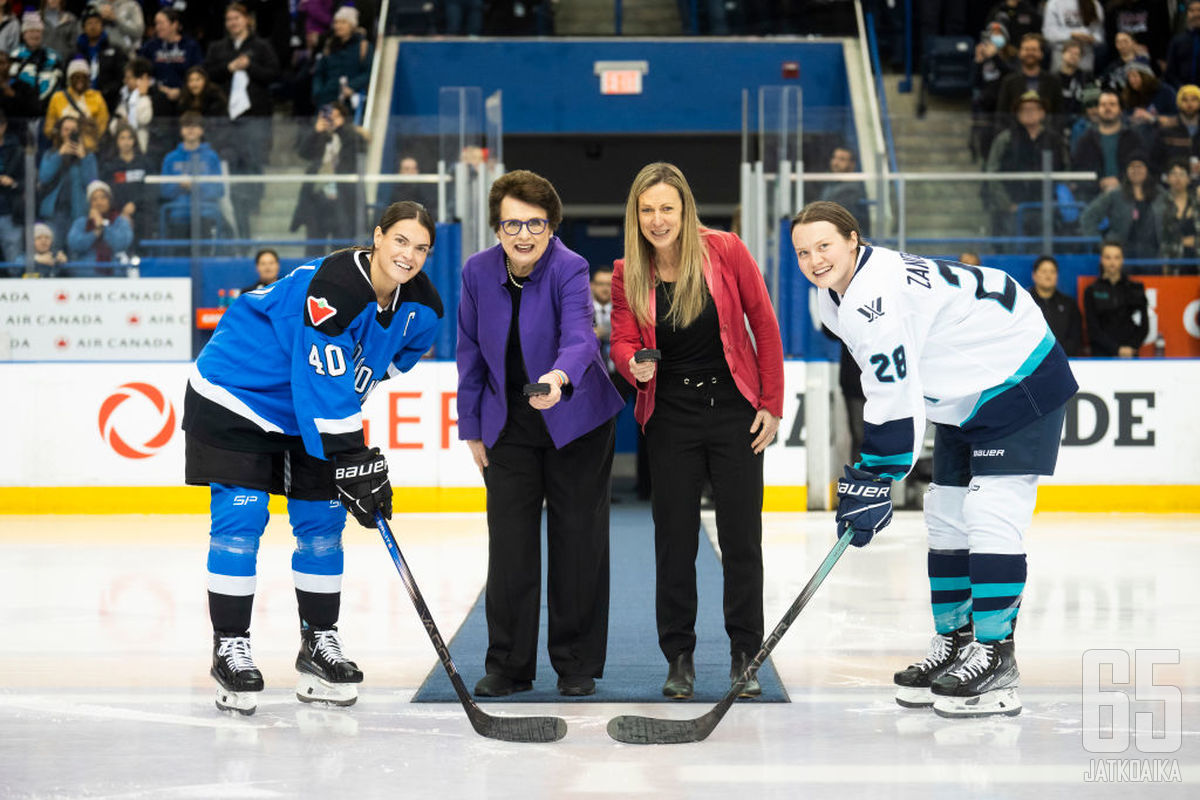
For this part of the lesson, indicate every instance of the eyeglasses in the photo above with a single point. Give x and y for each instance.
(512, 227)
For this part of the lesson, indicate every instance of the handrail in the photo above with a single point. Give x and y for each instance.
(307, 177)
(889, 143)
(948, 177)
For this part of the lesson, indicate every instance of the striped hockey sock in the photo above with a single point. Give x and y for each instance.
(949, 589)
(997, 582)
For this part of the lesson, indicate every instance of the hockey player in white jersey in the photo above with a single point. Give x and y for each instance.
(962, 347)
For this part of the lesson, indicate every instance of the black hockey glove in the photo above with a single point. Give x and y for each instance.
(864, 504)
(361, 478)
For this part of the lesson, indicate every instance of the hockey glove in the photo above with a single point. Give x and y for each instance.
(864, 504)
(362, 484)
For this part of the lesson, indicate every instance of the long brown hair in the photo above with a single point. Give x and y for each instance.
(690, 290)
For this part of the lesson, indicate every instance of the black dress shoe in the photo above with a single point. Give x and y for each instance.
(737, 666)
(576, 685)
(681, 677)
(493, 685)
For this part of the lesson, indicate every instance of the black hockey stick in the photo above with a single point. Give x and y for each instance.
(649, 730)
(507, 729)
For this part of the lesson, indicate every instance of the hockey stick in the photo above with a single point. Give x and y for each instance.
(648, 730)
(506, 729)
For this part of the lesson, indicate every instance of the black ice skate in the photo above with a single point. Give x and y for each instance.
(238, 680)
(982, 684)
(325, 674)
(912, 683)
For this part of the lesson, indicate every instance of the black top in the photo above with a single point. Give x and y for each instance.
(524, 424)
(692, 351)
(1116, 315)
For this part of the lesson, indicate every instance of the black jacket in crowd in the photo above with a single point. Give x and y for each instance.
(12, 164)
(1116, 316)
(263, 69)
(1063, 317)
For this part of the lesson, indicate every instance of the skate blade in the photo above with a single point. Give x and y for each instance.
(244, 703)
(914, 696)
(311, 689)
(998, 702)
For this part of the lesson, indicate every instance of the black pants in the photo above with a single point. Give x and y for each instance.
(698, 432)
(575, 483)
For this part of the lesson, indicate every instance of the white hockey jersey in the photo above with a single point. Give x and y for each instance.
(938, 340)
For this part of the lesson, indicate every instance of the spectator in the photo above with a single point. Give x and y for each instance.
(318, 19)
(1178, 209)
(1030, 77)
(125, 170)
(134, 107)
(172, 54)
(124, 23)
(201, 95)
(266, 268)
(1061, 312)
(1130, 210)
(343, 67)
(1104, 148)
(1115, 308)
(1073, 81)
(601, 285)
(1018, 16)
(1127, 53)
(244, 66)
(18, 100)
(36, 64)
(12, 201)
(10, 27)
(46, 260)
(1180, 141)
(62, 27)
(105, 234)
(1147, 101)
(1147, 21)
(994, 56)
(464, 17)
(106, 62)
(332, 147)
(1080, 20)
(851, 194)
(79, 99)
(64, 172)
(193, 156)
(1183, 54)
(1019, 149)
(970, 257)
(1088, 119)
(423, 193)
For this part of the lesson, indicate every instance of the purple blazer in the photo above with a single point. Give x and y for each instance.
(556, 333)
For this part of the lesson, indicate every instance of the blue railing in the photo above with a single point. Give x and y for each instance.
(881, 91)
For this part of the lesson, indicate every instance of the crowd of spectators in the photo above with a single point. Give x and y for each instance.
(108, 92)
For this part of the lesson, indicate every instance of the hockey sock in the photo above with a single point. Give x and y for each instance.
(239, 516)
(318, 560)
(949, 589)
(230, 613)
(318, 609)
(997, 581)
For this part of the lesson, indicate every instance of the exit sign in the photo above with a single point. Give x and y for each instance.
(621, 77)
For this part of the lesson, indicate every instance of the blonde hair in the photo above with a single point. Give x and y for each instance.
(690, 289)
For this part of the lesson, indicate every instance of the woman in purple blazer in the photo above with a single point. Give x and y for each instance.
(525, 316)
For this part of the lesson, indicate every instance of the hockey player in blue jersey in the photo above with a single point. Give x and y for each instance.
(273, 406)
(965, 348)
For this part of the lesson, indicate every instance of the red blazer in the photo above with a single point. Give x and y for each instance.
(739, 294)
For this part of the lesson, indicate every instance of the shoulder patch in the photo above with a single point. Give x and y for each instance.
(337, 294)
(319, 310)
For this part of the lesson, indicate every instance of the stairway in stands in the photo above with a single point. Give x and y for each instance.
(936, 142)
(639, 18)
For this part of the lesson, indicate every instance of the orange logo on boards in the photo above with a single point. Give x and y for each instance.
(166, 412)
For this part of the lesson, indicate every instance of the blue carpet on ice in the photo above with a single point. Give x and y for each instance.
(635, 669)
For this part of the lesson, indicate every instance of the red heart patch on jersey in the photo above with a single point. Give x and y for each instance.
(319, 310)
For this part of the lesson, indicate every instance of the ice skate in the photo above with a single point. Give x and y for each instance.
(912, 683)
(326, 675)
(983, 683)
(238, 681)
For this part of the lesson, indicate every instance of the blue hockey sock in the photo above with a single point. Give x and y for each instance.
(949, 589)
(997, 582)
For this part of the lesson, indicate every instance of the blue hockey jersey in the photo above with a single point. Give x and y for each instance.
(299, 357)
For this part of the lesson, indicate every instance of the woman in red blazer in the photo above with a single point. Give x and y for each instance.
(709, 407)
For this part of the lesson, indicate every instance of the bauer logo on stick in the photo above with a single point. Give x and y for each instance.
(319, 310)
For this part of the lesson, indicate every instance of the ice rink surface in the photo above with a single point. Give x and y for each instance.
(104, 687)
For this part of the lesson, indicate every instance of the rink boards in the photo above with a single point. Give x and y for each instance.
(110, 431)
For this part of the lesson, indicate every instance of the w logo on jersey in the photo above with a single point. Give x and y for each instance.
(319, 310)
(872, 310)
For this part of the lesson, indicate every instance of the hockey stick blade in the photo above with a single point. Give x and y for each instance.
(633, 729)
(505, 729)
